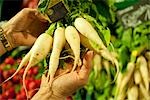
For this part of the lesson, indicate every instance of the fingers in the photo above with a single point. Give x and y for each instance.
(43, 80)
(33, 13)
(86, 67)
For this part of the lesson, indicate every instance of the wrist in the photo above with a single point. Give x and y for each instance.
(5, 44)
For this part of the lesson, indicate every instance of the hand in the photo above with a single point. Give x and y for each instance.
(24, 27)
(66, 84)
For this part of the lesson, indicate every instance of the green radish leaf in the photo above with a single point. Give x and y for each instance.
(143, 28)
(43, 5)
(123, 57)
(107, 35)
(127, 37)
(38, 76)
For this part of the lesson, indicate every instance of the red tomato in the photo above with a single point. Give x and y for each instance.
(6, 74)
(38, 82)
(16, 79)
(30, 72)
(10, 93)
(20, 97)
(2, 66)
(23, 93)
(21, 72)
(9, 60)
(7, 85)
(12, 71)
(4, 97)
(35, 70)
(27, 82)
(32, 85)
(1, 97)
(1, 76)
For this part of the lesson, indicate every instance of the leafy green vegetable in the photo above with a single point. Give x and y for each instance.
(43, 5)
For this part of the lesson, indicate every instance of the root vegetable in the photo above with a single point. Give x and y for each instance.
(58, 44)
(97, 64)
(147, 55)
(144, 92)
(38, 52)
(132, 93)
(126, 77)
(137, 76)
(87, 30)
(72, 37)
(142, 63)
(106, 65)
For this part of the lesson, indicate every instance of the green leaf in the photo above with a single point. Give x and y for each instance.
(127, 37)
(51, 29)
(42, 6)
(107, 35)
(38, 76)
(123, 57)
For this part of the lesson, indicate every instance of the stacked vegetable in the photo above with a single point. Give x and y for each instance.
(134, 75)
(132, 50)
(13, 89)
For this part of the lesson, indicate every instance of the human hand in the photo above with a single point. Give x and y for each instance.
(24, 27)
(66, 84)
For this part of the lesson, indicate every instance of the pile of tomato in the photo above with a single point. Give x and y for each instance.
(13, 89)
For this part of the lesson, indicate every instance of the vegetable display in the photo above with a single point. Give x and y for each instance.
(121, 63)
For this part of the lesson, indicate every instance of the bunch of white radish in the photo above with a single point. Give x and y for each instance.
(82, 33)
(135, 81)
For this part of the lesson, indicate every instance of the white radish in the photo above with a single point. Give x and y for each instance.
(126, 76)
(119, 79)
(85, 42)
(106, 65)
(142, 63)
(147, 55)
(97, 65)
(38, 52)
(132, 93)
(72, 37)
(137, 77)
(87, 30)
(58, 44)
(144, 92)
(121, 96)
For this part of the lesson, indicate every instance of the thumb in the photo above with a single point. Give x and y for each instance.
(86, 67)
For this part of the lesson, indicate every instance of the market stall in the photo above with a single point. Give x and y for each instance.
(117, 31)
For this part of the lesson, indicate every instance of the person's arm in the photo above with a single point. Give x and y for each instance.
(5, 44)
(23, 29)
